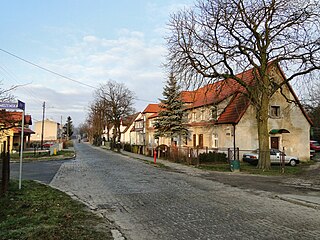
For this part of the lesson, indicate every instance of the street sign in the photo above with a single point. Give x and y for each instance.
(8, 105)
(11, 105)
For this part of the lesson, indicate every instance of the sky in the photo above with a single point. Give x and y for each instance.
(89, 41)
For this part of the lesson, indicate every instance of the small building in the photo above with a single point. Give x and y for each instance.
(51, 131)
(10, 129)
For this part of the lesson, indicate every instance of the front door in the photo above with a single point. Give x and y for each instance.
(275, 142)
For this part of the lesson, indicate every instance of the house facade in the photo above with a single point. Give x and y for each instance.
(220, 117)
(10, 130)
(51, 131)
(126, 127)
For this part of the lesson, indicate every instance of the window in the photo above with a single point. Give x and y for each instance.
(275, 111)
(200, 140)
(202, 115)
(194, 117)
(215, 140)
(214, 113)
(194, 139)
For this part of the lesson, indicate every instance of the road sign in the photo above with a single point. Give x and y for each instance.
(11, 105)
(8, 105)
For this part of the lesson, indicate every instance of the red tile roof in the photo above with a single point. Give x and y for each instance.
(25, 130)
(152, 108)
(219, 91)
(235, 110)
(14, 117)
(216, 92)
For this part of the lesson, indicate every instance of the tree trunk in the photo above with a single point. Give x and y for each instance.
(263, 133)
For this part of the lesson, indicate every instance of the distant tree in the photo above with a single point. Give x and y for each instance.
(171, 118)
(68, 128)
(217, 39)
(117, 101)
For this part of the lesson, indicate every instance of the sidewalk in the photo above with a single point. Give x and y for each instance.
(301, 198)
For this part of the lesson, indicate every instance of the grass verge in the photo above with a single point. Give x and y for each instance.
(251, 169)
(30, 156)
(39, 212)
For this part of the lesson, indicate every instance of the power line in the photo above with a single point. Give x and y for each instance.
(58, 74)
(46, 69)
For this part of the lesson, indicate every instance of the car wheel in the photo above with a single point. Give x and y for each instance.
(292, 163)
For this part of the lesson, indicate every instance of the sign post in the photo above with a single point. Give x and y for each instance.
(21, 106)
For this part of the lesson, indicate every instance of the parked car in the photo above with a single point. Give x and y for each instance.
(252, 158)
(48, 144)
(314, 145)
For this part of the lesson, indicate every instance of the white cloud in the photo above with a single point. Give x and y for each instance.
(129, 59)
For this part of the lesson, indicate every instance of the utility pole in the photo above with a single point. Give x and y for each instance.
(42, 130)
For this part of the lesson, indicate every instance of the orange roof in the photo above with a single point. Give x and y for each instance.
(152, 108)
(25, 130)
(235, 110)
(218, 91)
(14, 117)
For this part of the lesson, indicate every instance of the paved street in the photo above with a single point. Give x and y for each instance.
(146, 202)
(42, 171)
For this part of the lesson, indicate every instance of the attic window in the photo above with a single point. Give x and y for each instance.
(214, 113)
(275, 111)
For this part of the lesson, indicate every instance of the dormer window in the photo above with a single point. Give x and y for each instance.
(202, 115)
(214, 113)
(194, 117)
(275, 111)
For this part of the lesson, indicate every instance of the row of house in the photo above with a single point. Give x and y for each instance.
(10, 130)
(220, 116)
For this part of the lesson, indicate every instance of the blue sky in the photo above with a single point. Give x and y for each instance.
(91, 41)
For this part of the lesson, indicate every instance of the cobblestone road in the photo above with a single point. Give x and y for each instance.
(151, 203)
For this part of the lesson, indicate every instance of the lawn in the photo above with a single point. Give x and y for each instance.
(251, 169)
(41, 212)
(43, 155)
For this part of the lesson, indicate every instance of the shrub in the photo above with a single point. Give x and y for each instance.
(212, 157)
(127, 147)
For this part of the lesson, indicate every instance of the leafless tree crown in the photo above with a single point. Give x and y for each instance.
(219, 38)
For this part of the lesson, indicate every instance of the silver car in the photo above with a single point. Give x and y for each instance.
(275, 157)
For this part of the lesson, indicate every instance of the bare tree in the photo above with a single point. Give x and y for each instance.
(6, 121)
(117, 100)
(219, 38)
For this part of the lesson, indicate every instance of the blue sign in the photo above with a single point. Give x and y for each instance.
(21, 105)
(10, 105)
(7, 105)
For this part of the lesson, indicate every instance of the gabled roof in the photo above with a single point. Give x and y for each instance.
(129, 120)
(25, 130)
(152, 108)
(235, 109)
(221, 90)
(14, 117)
(216, 92)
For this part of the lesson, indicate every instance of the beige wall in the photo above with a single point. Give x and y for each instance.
(50, 131)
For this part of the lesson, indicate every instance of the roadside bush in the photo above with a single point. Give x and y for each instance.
(127, 147)
(212, 157)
